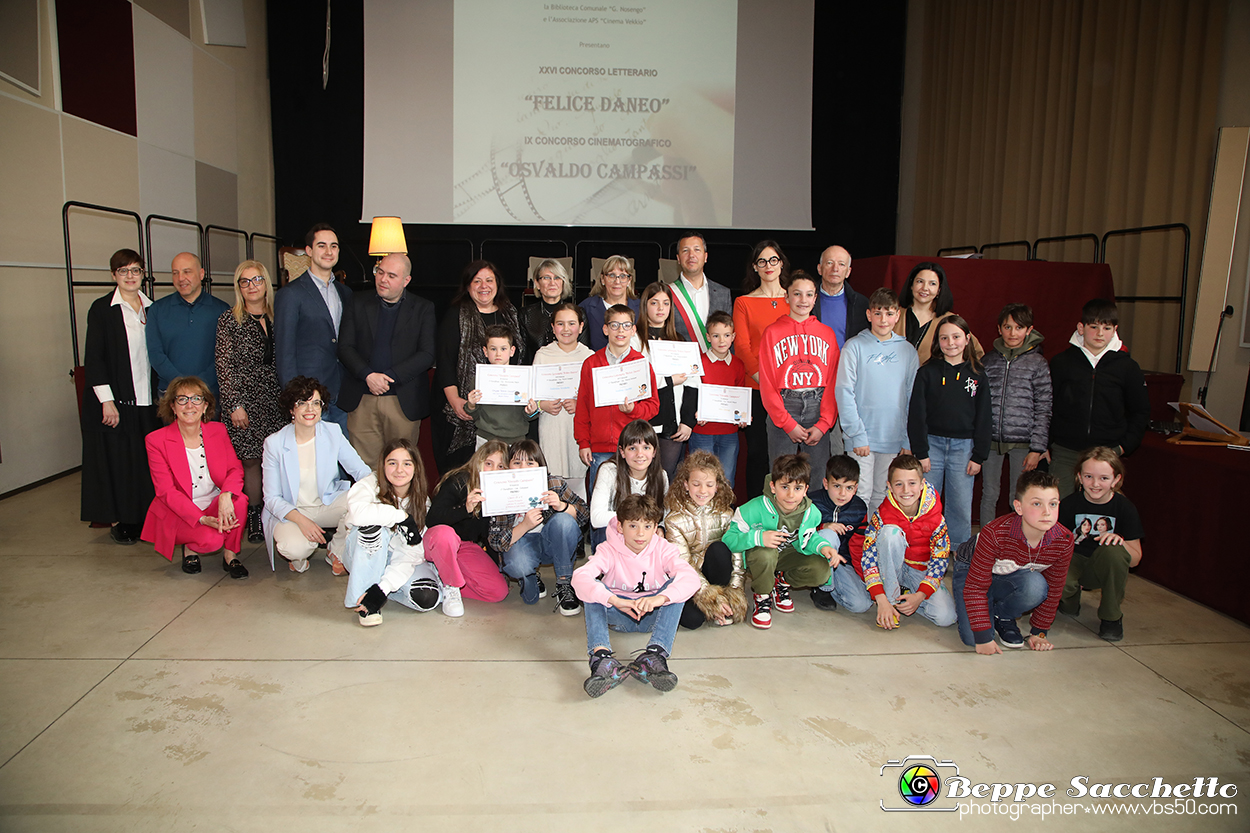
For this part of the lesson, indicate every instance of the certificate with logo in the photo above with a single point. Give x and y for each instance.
(557, 381)
(625, 382)
(669, 358)
(504, 384)
(724, 403)
(512, 491)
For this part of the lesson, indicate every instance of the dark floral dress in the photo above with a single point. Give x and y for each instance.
(247, 376)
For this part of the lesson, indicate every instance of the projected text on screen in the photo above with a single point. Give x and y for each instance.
(594, 114)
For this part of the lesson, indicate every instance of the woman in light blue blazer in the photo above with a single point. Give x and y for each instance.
(304, 494)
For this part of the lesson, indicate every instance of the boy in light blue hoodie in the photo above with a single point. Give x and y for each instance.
(875, 376)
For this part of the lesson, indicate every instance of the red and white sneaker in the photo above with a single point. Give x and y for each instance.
(781, 594)
(762, 618)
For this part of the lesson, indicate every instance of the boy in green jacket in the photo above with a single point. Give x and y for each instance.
(777, 534)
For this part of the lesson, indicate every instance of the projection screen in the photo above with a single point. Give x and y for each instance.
(684, 113)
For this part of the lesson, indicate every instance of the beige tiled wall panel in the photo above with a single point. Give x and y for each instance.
(102, 167)
(35, 343)
(216, 131)
(164, 90)
(30, 170)
(167, 187)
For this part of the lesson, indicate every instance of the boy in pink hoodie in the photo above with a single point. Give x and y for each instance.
(635, 582)
(798, 369)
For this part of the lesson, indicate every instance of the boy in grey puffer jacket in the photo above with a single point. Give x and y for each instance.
(1020, 399)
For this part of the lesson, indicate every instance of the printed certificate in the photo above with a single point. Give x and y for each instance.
(504, 384)
(557, 381)
(724, 403)
(512, 491)
(668, 358)
(625, 382)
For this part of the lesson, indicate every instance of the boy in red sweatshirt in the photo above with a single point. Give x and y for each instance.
(798, 369)
(720, 367)
(598, 429)
(635, 582)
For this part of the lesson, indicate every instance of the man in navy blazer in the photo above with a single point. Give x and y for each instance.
(307, 313)
(695, 297)
(841, 308)
(386, 346)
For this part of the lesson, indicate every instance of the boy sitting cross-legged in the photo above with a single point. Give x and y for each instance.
(843, 516)
(635, 582)
(906, 549)
(1018, 563)
(776, 532)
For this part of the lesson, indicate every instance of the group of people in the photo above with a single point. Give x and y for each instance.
(889, 402)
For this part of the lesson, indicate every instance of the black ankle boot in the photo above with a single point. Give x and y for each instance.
(255, 533)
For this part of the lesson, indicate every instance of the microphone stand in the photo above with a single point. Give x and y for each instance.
(1227, 312)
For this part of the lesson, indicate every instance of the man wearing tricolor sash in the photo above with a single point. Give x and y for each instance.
(694, 296)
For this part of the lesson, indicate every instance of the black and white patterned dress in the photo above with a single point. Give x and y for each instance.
(247, 376)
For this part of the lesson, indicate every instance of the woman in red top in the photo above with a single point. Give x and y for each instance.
(763, 303)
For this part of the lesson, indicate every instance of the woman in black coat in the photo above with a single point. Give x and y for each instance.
(118, 404)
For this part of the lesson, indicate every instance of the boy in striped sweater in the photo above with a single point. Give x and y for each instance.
(1018, 563)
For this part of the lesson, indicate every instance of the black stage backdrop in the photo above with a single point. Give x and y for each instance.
(318, 147)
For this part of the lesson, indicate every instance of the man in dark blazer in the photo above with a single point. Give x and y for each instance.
(839, 307)
(307, 313)
(694, 296)
(386, 345)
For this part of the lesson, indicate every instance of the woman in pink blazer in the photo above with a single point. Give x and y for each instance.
(198, 480)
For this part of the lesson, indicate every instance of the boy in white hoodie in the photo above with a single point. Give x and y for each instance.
(635, 582)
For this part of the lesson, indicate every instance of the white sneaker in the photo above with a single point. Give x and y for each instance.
(453, 605)
(370, 620)
(299, 566)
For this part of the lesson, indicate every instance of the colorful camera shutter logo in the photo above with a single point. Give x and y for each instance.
(919, 785)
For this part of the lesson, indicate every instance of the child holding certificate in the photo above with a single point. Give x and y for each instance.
(637, 582)
(634, 470)
(506, 423)
(555, 418)
(676, 417)
(548, 534)
(720, 367)
(597, 428)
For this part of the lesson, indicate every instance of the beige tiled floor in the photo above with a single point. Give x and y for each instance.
(139, 698)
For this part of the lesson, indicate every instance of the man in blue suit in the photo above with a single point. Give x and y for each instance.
(307, 314)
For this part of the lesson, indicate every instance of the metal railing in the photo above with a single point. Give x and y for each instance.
(70, 283)
(1174, 299)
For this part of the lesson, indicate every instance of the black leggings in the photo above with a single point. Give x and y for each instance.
(718, 564)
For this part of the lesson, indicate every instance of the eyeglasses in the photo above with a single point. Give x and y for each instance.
(255, 280)
(617, 276)
(620, 325)
(137, 271)
(315, 404)
(189, 400)
(772, 261)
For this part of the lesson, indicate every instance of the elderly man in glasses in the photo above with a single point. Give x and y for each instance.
(182, 327)
(386, 345)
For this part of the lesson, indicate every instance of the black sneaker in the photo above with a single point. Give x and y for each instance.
(1111, 631)
(542, 588)
(781, 594)
(606, 673)
(566, 600)
(651, 667)
(1009, 633)
(255, 531)
(823, 599)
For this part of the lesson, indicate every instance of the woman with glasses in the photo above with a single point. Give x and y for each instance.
(613, 285)
(248, 379)
(763, 303)
(480, 302)
(552, 286)
(118, 404)
(198, 480)
(304, 495)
